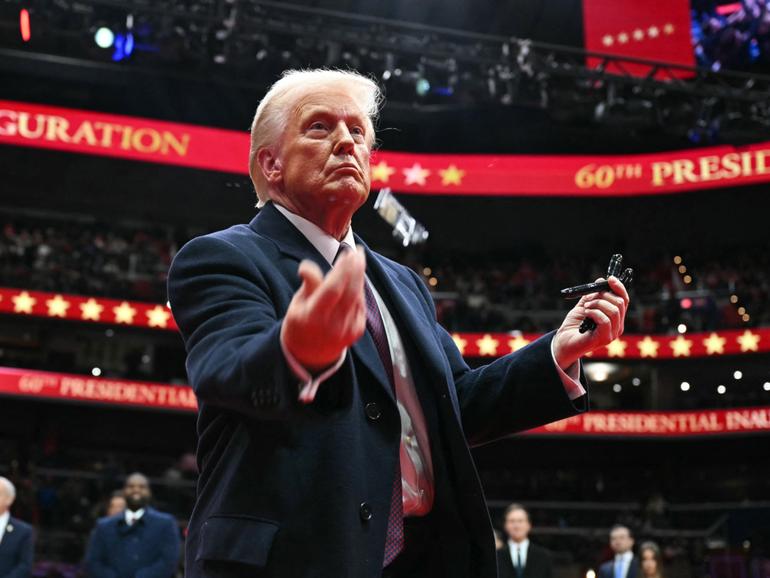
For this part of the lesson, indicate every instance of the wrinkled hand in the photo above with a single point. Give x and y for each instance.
(606, 308)
(326, 314)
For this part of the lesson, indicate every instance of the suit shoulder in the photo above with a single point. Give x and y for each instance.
(164, 516)
(20, 525)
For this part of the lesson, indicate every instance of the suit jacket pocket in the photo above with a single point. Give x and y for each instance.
(240, 539)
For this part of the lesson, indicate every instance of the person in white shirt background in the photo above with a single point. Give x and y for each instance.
(520, 558)
(17, 541)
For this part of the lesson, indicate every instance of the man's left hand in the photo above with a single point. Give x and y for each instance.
(606, 308)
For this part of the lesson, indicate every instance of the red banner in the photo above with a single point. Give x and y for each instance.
(661, 423)
(155, 141)
(656, 30)
(142, 394)
(157, 316)
(82, 388)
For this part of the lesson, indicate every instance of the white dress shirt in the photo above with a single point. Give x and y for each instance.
(522, 548)
(3, 523)
(625, 560)
(132, 517)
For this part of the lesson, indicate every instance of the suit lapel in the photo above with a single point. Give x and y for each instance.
(291, 242)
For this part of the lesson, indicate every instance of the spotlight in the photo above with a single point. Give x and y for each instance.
(738, 374)
(96, 372)
(24, 25)
(617, 388)
(721, 389)
(422, 86)
(104, 37)
(684, 386)
(766, 386)
(636, 382)
(682, 328)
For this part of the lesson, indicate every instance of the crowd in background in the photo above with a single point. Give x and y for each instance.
(482, 292)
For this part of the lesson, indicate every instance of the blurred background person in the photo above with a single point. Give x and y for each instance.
(117, 503)
(16, 537)
(649, 554)
(521, 558)
(624, 564)
(140, 542)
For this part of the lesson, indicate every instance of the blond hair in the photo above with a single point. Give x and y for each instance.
(274, 108)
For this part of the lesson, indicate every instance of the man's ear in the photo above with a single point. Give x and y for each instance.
(270, 165)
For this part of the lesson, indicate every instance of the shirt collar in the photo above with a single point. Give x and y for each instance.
(523, 545)
(4, 518)
(320, 239)
(624, 556)
(133, 516)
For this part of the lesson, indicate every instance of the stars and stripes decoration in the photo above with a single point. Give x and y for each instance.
(159, 316)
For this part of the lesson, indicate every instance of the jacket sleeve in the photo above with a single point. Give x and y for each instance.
(97, 556)
(222, 305)
(23, 567)
(514, 393)
(165, 565)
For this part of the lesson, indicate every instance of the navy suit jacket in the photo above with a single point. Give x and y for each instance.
(300, 491)
(539, 563)
(148, 548)
(17, 550)
(607, 569)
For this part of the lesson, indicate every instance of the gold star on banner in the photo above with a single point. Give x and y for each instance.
(617, 348)
(124, 313)
(451, 175)
(638, 34)
(648, 347)
(416, 175)
(57, 307)
(459, 342)
(622, 37)
(681, 346)
(517, 343)
(487, 345)
(23, 302)
(748, 341)
(714, 344)
(653, 32)
(158, 317)
(382, 171)
(668, 28)
(607, 40)
(91, 310)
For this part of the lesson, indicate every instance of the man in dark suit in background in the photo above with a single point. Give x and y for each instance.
(139, 542)
(520, 558)
(17, 540)
(335, 413)
(624, 564)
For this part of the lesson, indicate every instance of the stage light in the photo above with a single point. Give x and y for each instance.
(590, 574)
(746, 317)
(741, 310)
(124, 46)
(766, 386)
(733, 299)
(686, 303)
(636, 382)
(738, 374)
(682, 328)
(427, 271)
(599, 370)
(422, 86)
(677, 260)
(96, 372)
(24, 25)
(687, 279)
(104, 37)
(684, 386)
(721, 389)
(617, 388)
(682, 269)
(433, 281)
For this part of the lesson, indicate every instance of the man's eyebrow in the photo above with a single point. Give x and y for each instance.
(309, 110)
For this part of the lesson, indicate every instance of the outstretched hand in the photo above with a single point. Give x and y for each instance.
(326, 314)
(606, 308)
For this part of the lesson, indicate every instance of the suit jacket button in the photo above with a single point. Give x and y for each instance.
(372, 411)
(365, 511)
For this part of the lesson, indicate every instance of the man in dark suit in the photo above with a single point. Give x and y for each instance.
(17, 540)
(335, 413)
(520, 558)
(140, 542)
(624, 564)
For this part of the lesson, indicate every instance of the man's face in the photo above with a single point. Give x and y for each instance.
(621, 541)
(5, 499)
(137, 492)
(517, 525)
(323, 156)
